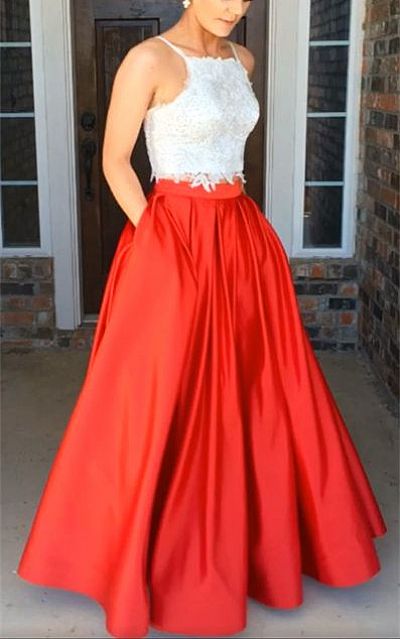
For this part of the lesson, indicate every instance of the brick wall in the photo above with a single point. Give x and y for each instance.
(327, 291)
(377, 245)
(28, 310)
(27, 301)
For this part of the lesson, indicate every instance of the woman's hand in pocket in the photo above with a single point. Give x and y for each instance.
(136, 221)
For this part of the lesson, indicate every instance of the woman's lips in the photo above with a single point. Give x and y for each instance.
(227, 21)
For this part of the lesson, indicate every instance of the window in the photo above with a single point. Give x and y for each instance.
(327, 157)
(18, 171)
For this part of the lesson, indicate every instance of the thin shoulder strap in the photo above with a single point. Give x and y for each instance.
(173, 46)
(234, 51)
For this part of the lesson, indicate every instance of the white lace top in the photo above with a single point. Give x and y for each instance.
(200, 135)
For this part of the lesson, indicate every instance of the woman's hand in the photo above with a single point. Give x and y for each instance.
(137, 220)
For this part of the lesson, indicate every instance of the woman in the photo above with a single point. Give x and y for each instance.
(206, 459)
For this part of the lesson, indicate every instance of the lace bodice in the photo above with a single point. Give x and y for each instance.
(200, 135)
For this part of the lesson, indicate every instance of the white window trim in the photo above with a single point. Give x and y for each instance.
(55, 130)
(53, 82)
(62, 175)
(14, 45)
(351, 165)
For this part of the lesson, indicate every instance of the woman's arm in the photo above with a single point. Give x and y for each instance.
(133, 87)
(248, 60)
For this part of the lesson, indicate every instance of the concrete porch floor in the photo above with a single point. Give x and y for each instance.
(39, 391)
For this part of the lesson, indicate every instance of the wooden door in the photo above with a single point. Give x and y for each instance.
(104, 30)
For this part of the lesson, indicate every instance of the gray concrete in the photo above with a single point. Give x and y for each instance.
(39, 390)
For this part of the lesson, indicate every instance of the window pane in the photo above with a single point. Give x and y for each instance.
(327, 81)
(16, 79)
(322, 217)
(325, 149)
(14, 21)
(20, 216)
(18, 154)
(330, 20)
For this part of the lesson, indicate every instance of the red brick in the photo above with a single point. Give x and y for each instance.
(9, 271)
(25, 318)
(309, 317)
(42, 302)
(301, 270)
(307, 303)
(318, 270)
(383, 194)
(328, 331)
(378, 12)
(385, 138)
(327, 318)
(347, 318)
(383, 101)
(348, 289)
(371, 135)
(16, 302)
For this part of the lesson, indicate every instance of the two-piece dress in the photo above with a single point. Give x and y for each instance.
(205, 459)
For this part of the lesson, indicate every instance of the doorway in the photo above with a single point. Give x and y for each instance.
(103, 32)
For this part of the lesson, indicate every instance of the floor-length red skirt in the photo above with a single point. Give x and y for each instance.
(205, 459)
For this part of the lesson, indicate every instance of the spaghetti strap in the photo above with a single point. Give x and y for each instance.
(234, 51)
(238, 60)
(173, 46)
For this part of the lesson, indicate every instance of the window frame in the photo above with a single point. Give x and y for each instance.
(352, 128)
(39, 116)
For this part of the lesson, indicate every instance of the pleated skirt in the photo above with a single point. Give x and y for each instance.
(205, 459)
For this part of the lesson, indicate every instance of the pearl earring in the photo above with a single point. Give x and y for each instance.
(186, 3)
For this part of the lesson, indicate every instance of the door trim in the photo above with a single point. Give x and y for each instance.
(56, 144)
(281, 120)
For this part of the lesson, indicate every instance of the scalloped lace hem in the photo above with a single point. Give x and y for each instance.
(207, 180)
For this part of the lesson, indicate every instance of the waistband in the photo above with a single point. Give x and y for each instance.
(222, 189)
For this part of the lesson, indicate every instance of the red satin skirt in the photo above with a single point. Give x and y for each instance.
(205, 459)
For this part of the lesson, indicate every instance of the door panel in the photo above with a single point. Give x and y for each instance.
(104, 31)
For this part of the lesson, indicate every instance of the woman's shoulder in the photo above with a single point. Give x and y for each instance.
(146, 57)
(246, 57)
(148, 49)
